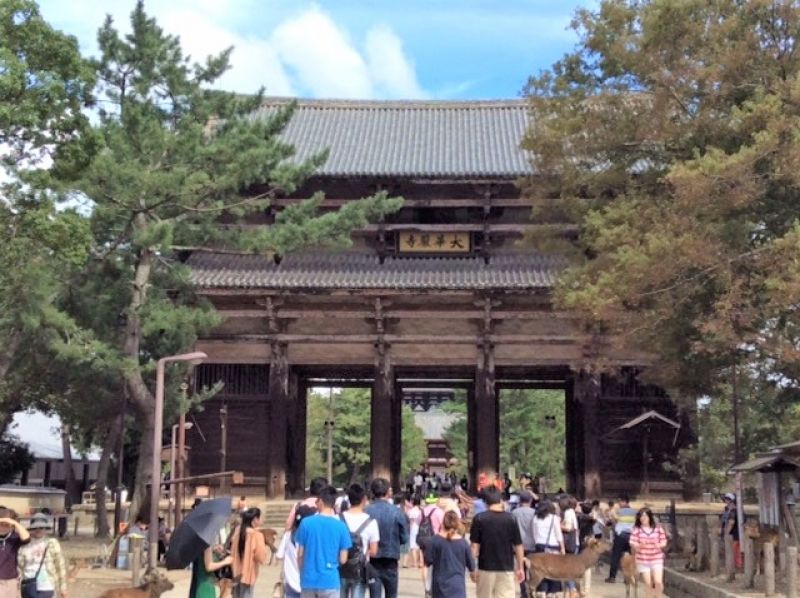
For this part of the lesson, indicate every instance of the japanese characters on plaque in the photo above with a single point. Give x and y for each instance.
(433, 242)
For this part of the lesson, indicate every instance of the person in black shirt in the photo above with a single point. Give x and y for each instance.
(497, 543)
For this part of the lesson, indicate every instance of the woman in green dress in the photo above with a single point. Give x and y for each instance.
(203, 581)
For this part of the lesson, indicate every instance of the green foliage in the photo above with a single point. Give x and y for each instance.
(532, 433)
(350, 410)
(670, 136)
(44, 85)
(15, 458)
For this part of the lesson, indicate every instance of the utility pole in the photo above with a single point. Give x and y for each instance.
(181, 473)
(329, 424)
(737, 440)
(223, 426)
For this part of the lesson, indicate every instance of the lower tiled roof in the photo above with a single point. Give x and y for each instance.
(358, 270)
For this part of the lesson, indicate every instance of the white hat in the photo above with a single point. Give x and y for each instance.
(729, 496)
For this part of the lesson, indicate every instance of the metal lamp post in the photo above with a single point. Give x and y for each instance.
(155, 482)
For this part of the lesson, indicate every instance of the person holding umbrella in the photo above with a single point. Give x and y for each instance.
(203, 580)
(192, 543)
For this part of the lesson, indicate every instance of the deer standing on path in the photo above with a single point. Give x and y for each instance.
(627, 564)
(564, 567)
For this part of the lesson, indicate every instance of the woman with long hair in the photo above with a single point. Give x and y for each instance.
(547, 537)
(450, 556)
(648, 541)
(249, 552)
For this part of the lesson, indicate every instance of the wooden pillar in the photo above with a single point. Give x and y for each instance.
(297, 431)
(573, 441)
(277, 418)
(472, 470)
(385, 423)
(769, 568)
(587, 396)
(484, 416)
(749, 562)
(791, 574)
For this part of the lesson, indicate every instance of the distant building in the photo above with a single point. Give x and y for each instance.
(42, 434)
(434, 421)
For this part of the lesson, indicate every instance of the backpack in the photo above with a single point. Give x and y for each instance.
(425, 532)
(355, 567)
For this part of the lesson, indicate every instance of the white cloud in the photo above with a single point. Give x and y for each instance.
(322, 56)
(389, 67)
(306, 53)
(254, 62)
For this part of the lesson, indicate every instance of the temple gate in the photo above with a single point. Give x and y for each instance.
(442, 294)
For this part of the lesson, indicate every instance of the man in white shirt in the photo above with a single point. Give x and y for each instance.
(357, 521)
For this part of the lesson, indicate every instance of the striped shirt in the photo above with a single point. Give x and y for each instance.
(646, 543)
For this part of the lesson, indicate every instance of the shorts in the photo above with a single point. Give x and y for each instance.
(650, 567)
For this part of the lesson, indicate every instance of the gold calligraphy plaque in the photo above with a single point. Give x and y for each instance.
(433, 242)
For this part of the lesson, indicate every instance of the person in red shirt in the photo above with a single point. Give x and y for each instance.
(648, 541)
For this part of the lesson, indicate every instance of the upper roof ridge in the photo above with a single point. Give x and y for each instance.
(323, 103)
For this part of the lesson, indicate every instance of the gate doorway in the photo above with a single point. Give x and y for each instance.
(533, 437)
(338, 434)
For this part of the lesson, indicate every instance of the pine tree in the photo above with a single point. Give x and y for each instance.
(174, 157)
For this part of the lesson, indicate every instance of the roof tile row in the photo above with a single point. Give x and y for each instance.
(357, 270)
(410, 138)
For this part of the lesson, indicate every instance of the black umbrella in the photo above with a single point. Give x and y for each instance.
(197, 532)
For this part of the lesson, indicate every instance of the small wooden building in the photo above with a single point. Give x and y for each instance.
(443, 293)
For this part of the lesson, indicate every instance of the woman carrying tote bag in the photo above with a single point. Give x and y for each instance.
(41, 563)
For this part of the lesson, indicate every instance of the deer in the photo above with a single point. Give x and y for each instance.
(563, 567)
(627, 565)
(153, 585)
(270, 536)
(760, 535)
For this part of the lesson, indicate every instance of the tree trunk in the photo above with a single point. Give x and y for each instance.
(144, 469)
(140, 396)
(109, 446)
(70, 485)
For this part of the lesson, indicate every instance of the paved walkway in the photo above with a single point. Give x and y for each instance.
(410, 585)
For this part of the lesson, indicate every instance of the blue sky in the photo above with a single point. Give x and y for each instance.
(404, 49)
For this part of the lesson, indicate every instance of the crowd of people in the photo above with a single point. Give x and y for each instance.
(31, 561)
(347, 545)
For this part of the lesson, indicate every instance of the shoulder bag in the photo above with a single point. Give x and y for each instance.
(28, 585)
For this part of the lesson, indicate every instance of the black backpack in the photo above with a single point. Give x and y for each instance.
(356, 565)
(425, 532)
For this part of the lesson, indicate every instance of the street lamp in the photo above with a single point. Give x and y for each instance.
(173, 519)
(155, 482)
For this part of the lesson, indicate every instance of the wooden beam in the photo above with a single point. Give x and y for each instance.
(512, 339)
(446, 313)
(455, 202)
(493, 227)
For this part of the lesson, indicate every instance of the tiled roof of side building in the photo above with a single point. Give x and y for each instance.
(425, 139)
(358, 270)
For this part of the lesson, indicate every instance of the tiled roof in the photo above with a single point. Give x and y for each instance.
(468, 139)
(357, 270)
